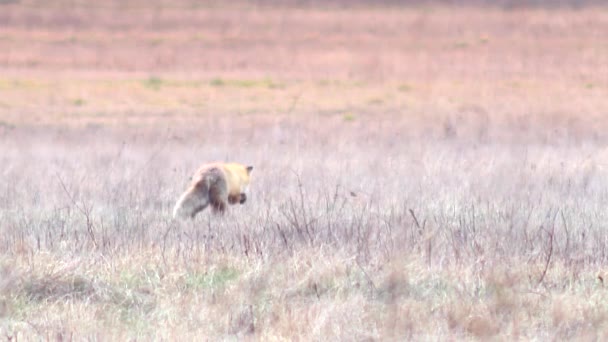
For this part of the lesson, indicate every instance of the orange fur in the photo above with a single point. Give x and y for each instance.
(216, 184)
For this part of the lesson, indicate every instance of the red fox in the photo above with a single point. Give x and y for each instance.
(217, 184)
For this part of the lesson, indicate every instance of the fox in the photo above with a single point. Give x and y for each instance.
(217, 184)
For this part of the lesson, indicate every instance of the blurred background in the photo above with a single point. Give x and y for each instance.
(450, 68)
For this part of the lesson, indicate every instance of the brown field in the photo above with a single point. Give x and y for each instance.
(421, 172)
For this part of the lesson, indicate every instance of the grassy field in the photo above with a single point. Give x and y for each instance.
(421, 172)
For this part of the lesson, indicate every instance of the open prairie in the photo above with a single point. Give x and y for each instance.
(421, 172)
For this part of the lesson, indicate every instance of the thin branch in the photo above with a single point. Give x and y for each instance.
(549, 255)
(84, 210)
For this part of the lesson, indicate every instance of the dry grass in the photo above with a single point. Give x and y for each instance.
(421, 173)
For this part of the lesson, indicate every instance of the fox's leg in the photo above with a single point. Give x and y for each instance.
(219, 196)
(234, 199)
(219, 207)
(198, 209)
(243, 198)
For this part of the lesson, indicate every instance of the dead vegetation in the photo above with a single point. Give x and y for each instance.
(429, 173)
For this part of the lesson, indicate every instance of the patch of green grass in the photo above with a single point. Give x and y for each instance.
(589, 86)
(341, 83)
(460, 45)
(217, 82)
(274, 85)
(150, 277)
(349, 117)
(404, 88)
(243, 83)
(68, 40)
(78, 102)
(21, 84)
(264, 83)
(156, 41)
(154, 83)
(515, 84)
(13, 307)
(199, 37)
(214, 279)
(132, 307)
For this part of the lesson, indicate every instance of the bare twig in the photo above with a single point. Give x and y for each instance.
(567, 247)
(369, 279)
(84, 210)
(549, 255)
(420, 228)
(282, 234)
(165, 235)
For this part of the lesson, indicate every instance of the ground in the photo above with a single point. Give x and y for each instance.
(420, 172)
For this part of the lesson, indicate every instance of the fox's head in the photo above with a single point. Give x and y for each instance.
(246, 179)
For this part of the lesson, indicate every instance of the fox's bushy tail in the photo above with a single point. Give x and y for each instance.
(193, 200)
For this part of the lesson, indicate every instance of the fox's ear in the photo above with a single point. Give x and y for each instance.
(249, 168)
